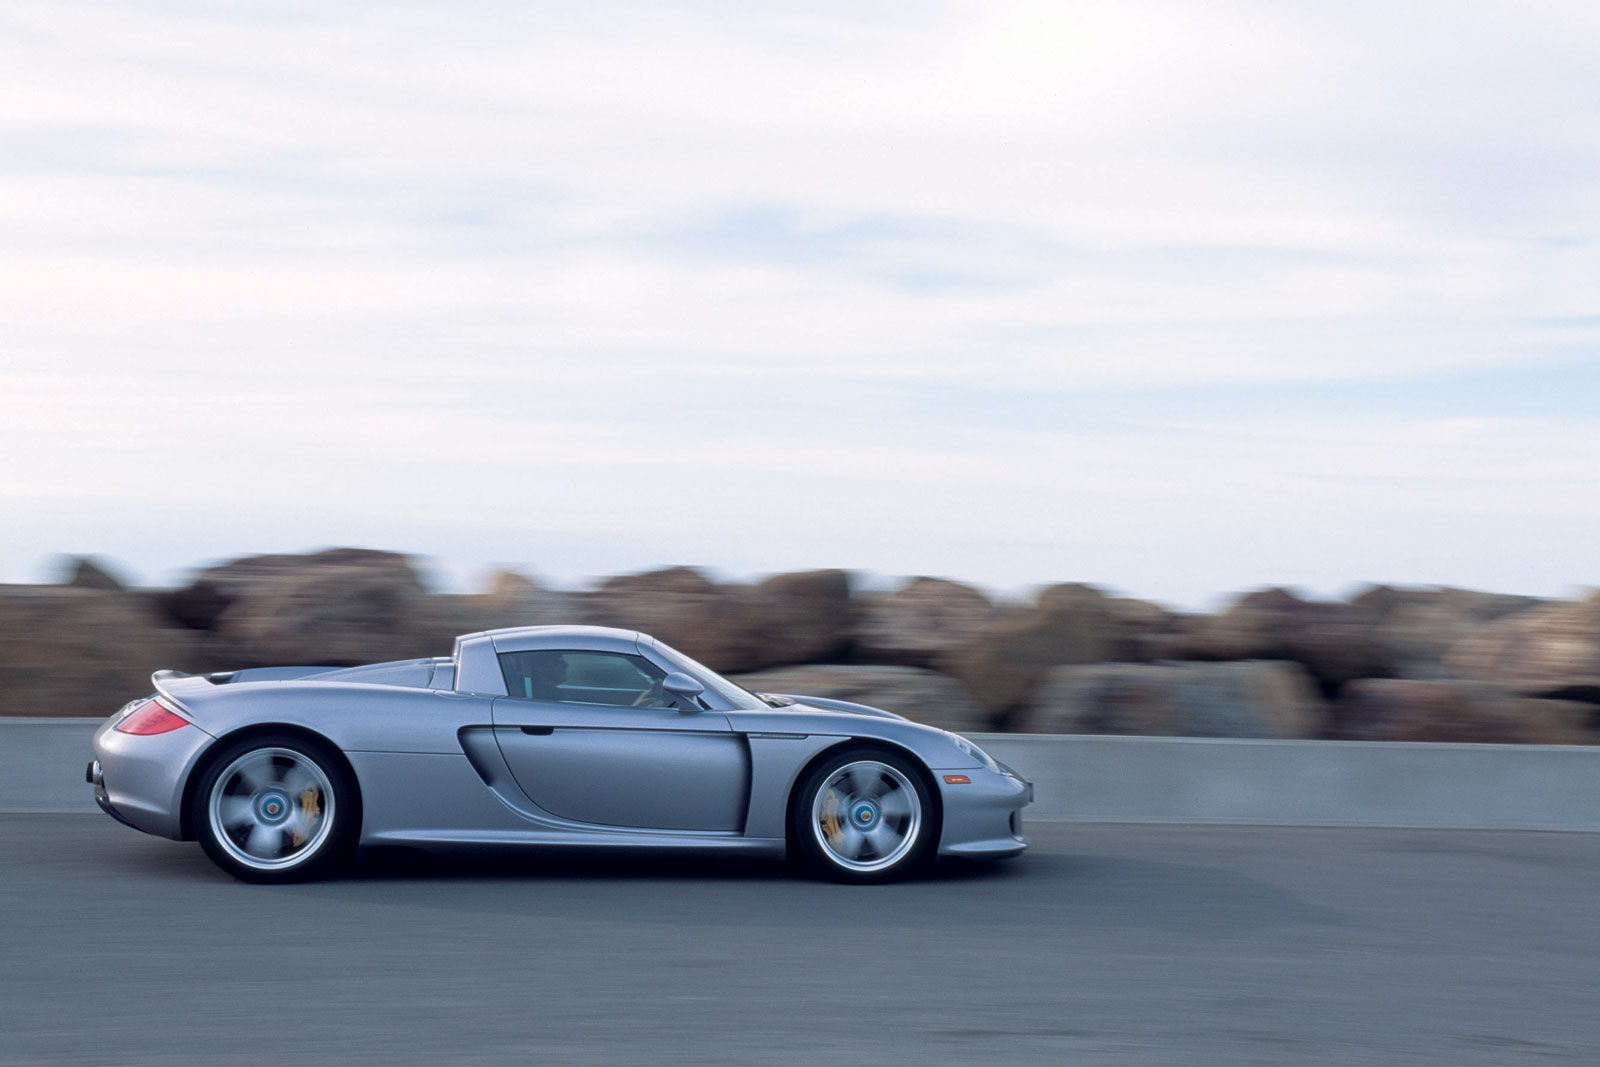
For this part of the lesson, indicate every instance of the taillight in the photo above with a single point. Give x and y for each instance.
(151, 717)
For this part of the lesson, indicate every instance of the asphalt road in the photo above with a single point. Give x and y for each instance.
(1105, 944)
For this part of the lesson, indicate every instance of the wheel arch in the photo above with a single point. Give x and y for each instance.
(935, 799)
(261, 729)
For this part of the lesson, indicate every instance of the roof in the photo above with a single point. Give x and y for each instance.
(525, 638)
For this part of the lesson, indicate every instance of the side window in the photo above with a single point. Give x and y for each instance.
(609, 679)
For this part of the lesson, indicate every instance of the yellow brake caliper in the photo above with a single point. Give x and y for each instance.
(311, 807)
(830, 818)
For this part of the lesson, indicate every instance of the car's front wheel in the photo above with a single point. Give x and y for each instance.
(276, 808)
(864, 815)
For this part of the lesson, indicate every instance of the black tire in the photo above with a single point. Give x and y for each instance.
(276, 808)
(864, 815)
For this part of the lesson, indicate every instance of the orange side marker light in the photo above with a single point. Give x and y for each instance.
(957, 779)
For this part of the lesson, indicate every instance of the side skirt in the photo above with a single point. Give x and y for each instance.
(608, 839)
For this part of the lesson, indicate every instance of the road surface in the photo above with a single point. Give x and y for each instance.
(1105, 944)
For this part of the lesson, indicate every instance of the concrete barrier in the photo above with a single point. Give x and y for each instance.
(1121, 779)
(1355, 783)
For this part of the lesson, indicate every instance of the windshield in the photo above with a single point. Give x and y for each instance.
(733, 694)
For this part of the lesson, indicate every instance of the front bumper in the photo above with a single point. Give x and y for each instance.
(138, 780)
(983, 817)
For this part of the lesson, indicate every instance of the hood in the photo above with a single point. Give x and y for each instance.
(806, 703)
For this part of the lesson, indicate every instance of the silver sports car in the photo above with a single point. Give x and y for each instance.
(542, 735)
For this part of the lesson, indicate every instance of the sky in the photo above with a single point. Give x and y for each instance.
(1178, 298)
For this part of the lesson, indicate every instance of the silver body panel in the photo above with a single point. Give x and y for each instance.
(442, 756)
(696, 777)
(142, 778)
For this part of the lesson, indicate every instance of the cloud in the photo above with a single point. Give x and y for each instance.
(955, 269)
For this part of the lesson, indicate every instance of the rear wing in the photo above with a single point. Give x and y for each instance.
(170, 685)
(265, 674)
(247, 674)
(167, 682)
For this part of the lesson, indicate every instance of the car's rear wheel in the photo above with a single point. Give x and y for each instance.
(276, 808)
(864, 815)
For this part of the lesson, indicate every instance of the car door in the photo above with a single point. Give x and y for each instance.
(591, 737)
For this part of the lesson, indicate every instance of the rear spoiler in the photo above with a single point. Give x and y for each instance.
(265, 674)
(168, 681)
(165, 682)
(247, 674)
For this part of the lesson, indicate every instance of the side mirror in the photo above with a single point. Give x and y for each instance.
(685, 689)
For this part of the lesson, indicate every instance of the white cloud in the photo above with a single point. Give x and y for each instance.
(322, 253)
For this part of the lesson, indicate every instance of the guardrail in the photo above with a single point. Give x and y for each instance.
(1122, 779)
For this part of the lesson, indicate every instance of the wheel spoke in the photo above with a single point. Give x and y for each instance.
(236, 810)
(296, 778)
(253, 777)
(850, 842)
(265, 841)
(865, 779)
(882, 839)
(894, 804)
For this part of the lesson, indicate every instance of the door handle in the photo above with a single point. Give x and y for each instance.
(539, 731)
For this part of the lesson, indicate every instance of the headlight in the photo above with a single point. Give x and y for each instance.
(975, 752)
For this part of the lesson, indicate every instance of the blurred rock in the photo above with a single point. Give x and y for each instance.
(513, 589)
(919, 622)
(1144, 632)
(88, 572)
(680, 606)
(1381, 709)
(210, 593)
(338, 608)
(922, 695)
(1486, 607)
(195, 606)
(511, 599)
(1068, 624)
(514, 599)
(1245, 699)
(1335, 642)
(236, 576)
(1416, 636)
(1381, 600)
(788, 618)
(801, 617)
(1552, 650)
(1405, 663)
(81, 652)
(1416, 626)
